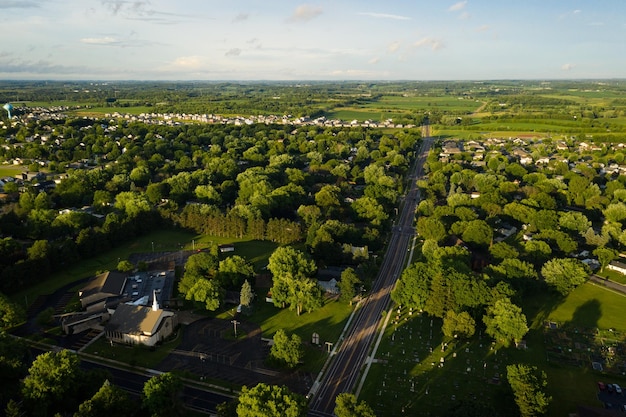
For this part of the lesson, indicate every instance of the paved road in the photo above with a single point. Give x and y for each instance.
(194, 397)
(199, 399)
(609, 284)
(345, 368)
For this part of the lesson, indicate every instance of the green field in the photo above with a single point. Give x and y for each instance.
(11, 170)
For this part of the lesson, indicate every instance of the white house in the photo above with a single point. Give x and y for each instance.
(618, 266)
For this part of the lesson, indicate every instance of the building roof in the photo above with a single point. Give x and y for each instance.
(132, 319)
(105, 283)
(618, 264)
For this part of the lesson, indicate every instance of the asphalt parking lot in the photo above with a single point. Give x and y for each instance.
(611, 399)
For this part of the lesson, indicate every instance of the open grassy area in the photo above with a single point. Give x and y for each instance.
(592, 306)
(327, 321)
(410, 377)
(11, 170)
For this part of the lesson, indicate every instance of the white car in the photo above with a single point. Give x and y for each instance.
(617, 388)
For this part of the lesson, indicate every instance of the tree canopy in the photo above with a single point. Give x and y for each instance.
(264, 400)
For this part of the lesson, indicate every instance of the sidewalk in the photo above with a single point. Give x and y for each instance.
(616, 286)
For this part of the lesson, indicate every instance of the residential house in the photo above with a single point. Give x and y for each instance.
(618, 267)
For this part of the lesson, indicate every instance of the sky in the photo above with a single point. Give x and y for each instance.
(318, 40)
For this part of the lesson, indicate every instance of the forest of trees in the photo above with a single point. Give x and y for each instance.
(328, 187)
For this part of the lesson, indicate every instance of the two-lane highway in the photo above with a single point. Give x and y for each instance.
(344, 369)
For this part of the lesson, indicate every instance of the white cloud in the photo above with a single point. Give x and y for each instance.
(576, 11)
(464, 16)
(305, 12)
(233, 52)
(393, 46)
(385, 16)
(483, 28)
(106, 40)
(457, 6)
(435, 44)
(374, 60)
(567, 67)
(190, 62)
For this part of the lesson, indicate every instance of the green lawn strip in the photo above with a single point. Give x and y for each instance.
(613, 276)
(11, 170)
(256, 252)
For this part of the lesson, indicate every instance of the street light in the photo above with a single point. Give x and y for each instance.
(235, 323)
(152, 246)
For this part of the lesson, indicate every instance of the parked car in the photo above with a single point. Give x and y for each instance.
(609, 387)
(617, 388)
(601, 386)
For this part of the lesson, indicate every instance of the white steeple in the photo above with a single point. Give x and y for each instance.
(155, 303)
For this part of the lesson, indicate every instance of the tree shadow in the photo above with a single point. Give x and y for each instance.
(587, 315)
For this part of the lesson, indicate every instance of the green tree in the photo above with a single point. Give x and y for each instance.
(574, 221)
(132, 203)
(246, 295)
(347, 285)
(605, 256)
(505, 322)
(431, 228)
(529, 385)
(286, 350)
(206, 291)
(52, 379)
(347, 405)
(327, 198)
(125, 266)
(110, 400)
(458, 325)
(503, 250)
(292, 284)
(200, 265)
(412, 290)
(564, 274)
(478, 232)
(287, 261)
(233, 270)
(161, 395)
(11, 314)
(264, 400)
(369, 209)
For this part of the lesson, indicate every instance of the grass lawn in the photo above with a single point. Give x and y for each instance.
(592, 306)
(11, 170)
(327, 321)
(410, 376)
